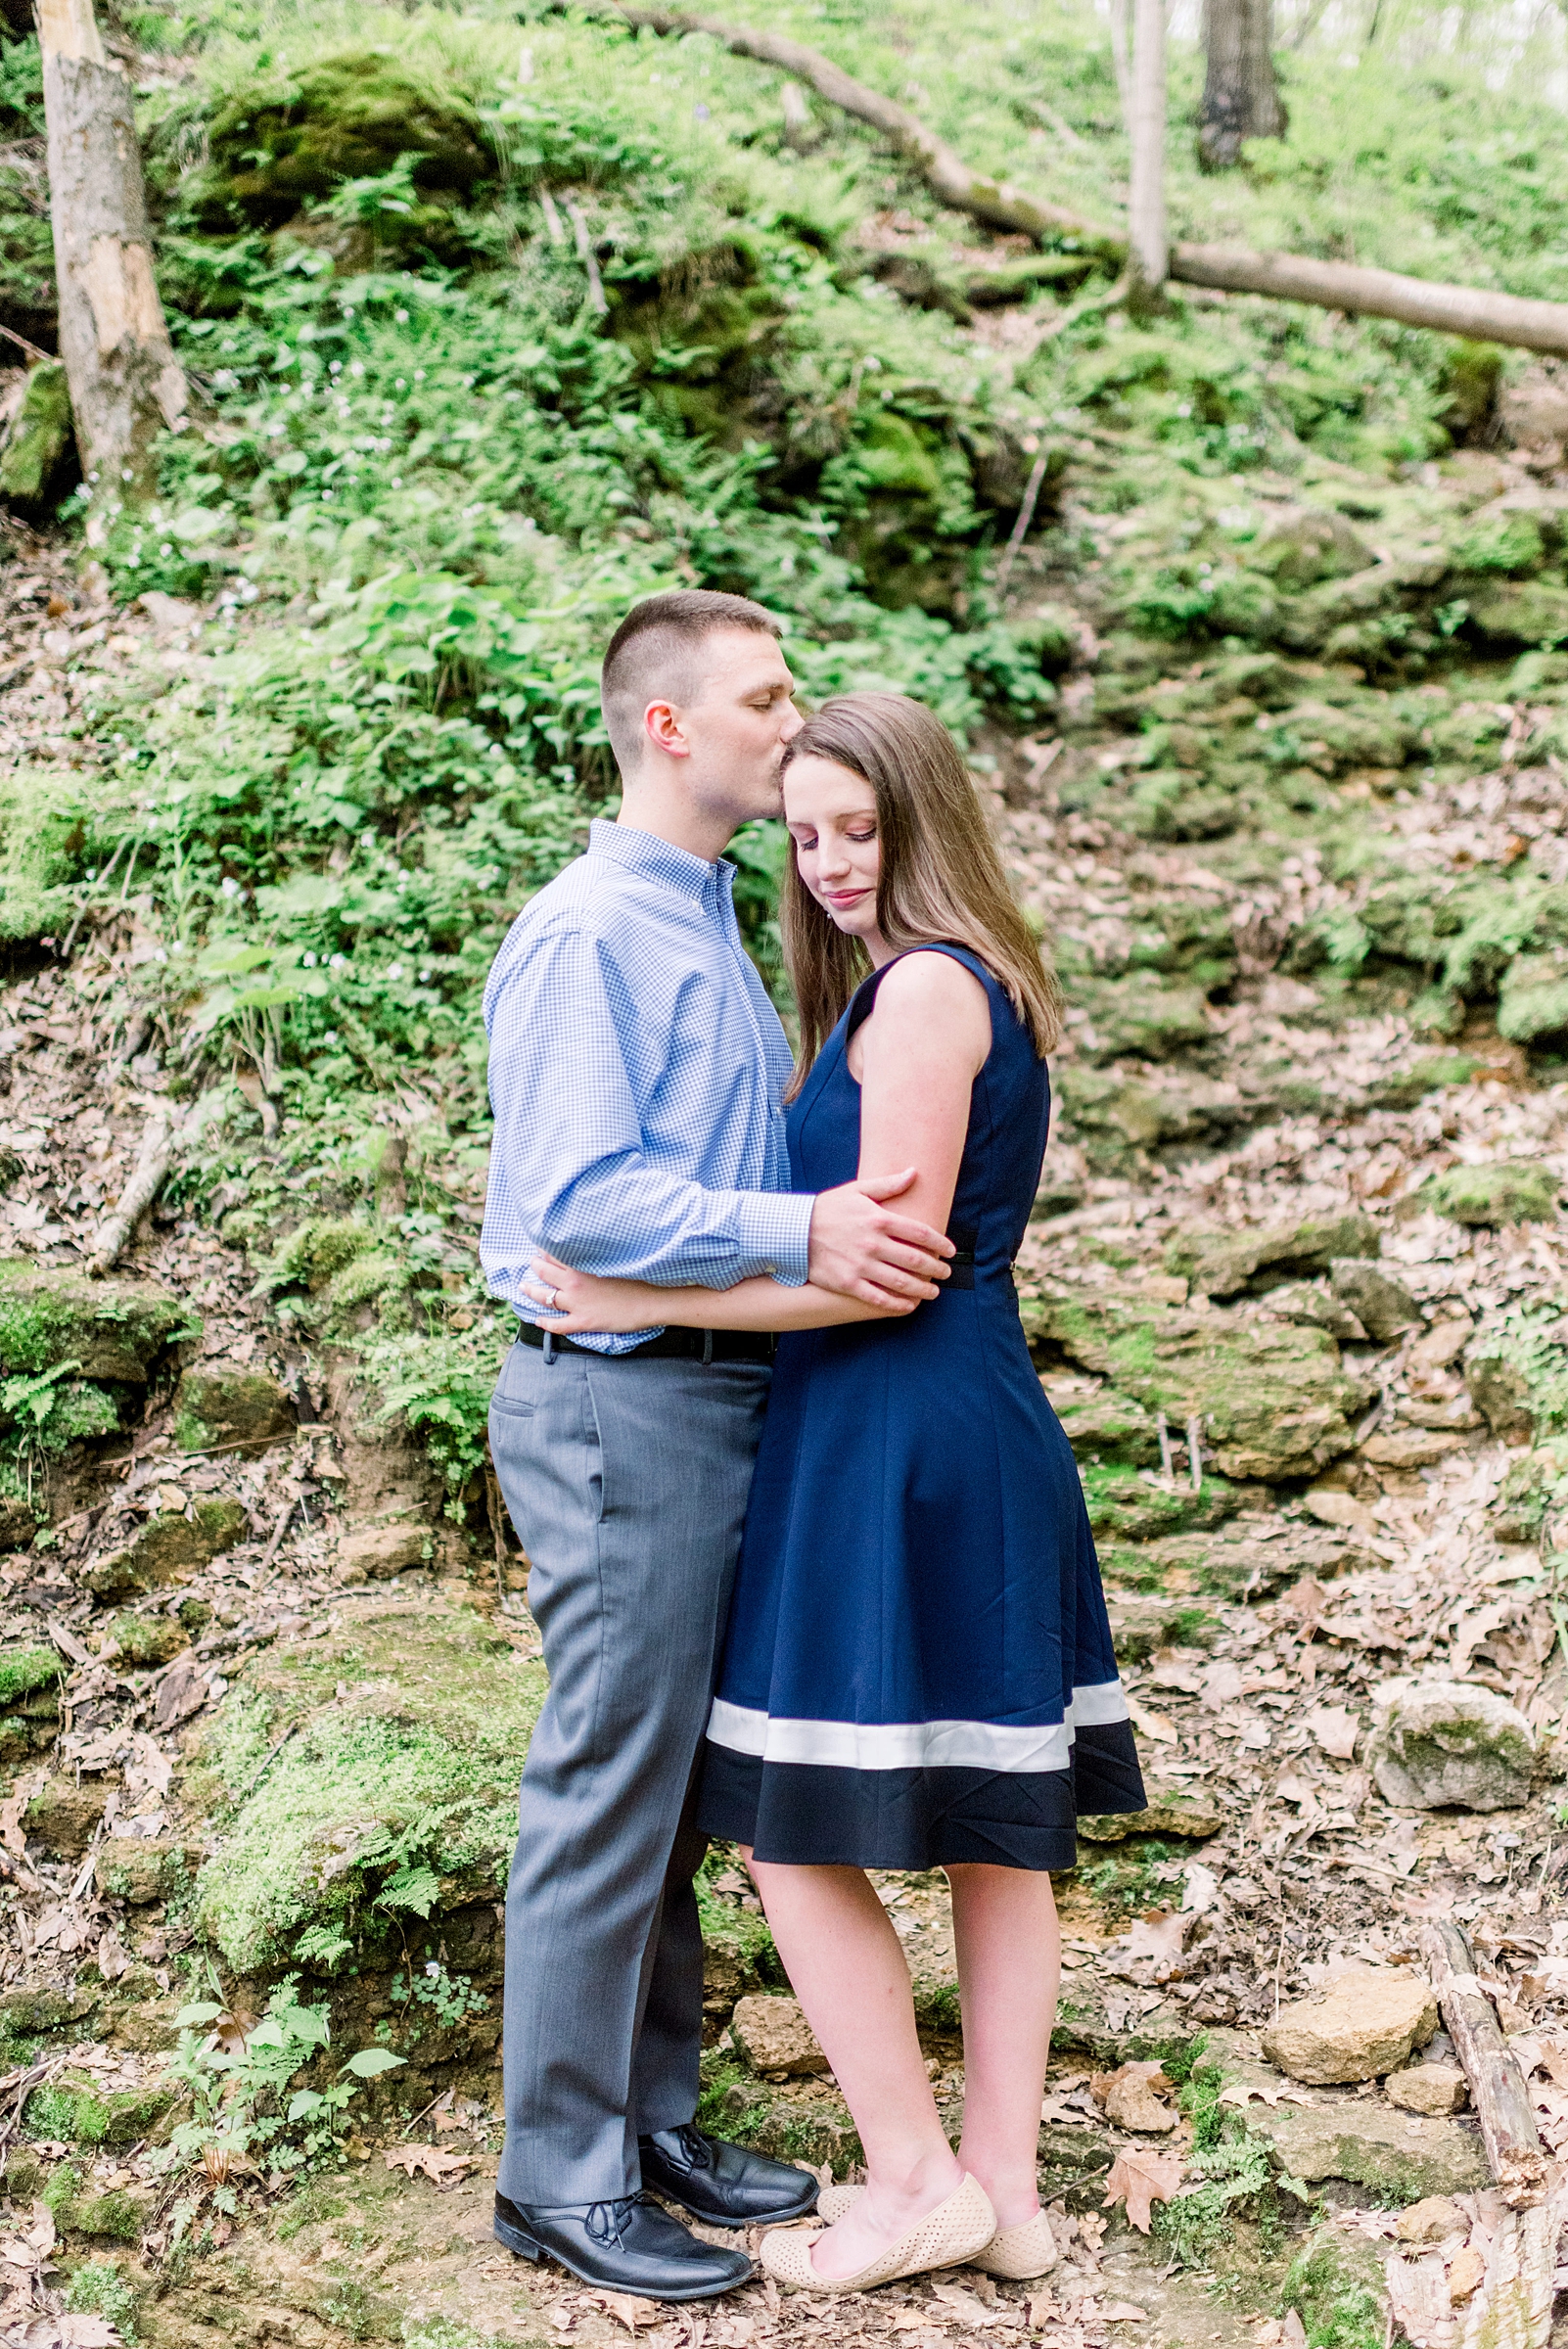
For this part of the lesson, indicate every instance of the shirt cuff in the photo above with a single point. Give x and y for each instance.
(773, 1230)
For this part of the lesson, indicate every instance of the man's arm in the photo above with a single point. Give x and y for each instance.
(569, 1174)
(567, 1167)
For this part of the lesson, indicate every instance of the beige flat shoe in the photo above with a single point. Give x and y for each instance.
(1018, 2253)
(1015, 2253)
(945, 2237)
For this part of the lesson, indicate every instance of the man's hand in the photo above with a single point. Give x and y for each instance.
(862, 1248)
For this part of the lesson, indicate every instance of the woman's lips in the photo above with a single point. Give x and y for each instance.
(846, 897)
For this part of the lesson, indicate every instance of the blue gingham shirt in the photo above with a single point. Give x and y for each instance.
(637, 1071)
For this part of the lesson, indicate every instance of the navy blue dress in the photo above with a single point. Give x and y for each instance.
(918, 1669)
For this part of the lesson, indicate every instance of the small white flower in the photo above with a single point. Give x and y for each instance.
(339, 962)
(231, 887)
(309, 961)
(330, 1037)
(395, 970)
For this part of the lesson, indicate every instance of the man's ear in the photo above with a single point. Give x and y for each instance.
(661, 723)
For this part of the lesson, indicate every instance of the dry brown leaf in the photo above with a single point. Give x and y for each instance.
(629, 2311)
(1158, 1726)
(1130, 2097)
(1122, 2311)
(1141, 2178)
(965, 2306)
(40, 2229)
(80, 2330)
(431, 2160)
(1335, 1728)
(1158, 1937)
(1294, 2336)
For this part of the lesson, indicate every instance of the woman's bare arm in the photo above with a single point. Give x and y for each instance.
(915, 1059)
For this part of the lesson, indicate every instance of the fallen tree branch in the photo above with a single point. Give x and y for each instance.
(156, 1157)
(1497, 2090)
(1472, 311)
(942, 169)
(1469, 310)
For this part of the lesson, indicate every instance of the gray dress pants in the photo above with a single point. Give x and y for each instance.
(627, 1482)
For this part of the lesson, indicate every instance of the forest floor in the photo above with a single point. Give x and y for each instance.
(1251, 1649)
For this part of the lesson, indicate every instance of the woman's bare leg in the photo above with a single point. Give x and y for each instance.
(1009, 1966)
(848, 1972)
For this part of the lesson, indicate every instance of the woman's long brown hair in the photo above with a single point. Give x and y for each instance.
(941, 881)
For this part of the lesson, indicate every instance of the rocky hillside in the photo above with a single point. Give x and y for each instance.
(494, 328)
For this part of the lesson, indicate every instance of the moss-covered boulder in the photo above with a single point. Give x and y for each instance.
(114, 1331)
(1532, 613)
(1312, 544)
(1222, 1264)
(1533, 998)
(229, 1409)
(393, 1799)
(358, 114)
(1509, 1192)
(1127, 1504)
(1171, 1811)
(1142, 1016)
(169, 1549)
(1272, 1399)
(74, 2108)
(38, 446)
(29, 1699)
(1107, 1426)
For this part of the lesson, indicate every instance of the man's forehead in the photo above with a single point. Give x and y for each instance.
(740, 659)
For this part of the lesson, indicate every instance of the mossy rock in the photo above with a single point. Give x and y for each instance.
(1142, 1017)
(1305, 548)
(143, 1869)
(1525, 1495)
(1508, 1191)
(1430, 1076)
(1108, 1426)
(229, 1409)
(1222, 1264)
(145, 1641)
(1171, 1811)
(354, 115)
(1272, 1399)
(75, 2109)
(1124, 1505)
(169, 1548)
(1140, 1625)
(39, 445)
(1336, 2286)
(115, 1331)
(29, 1700)
(398, 1796)
(1534, 612)
(1533, 998)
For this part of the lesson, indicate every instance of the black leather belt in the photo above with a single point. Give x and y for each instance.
(670, 1345)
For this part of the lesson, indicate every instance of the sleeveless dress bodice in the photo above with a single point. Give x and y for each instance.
(918, 1668)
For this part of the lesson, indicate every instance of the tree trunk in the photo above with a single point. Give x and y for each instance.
(1148, 254)
(1240, 96)
(127, 385)
(1519, 2160)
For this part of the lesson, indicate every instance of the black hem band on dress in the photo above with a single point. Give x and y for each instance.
(807, 1815)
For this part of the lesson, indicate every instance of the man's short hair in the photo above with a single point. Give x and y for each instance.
(655, 655)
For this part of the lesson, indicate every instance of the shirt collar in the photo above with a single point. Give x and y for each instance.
(656, 860)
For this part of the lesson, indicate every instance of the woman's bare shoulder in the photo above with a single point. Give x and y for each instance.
(931, 1002)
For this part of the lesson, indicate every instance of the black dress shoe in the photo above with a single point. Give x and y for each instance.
(721, 2184)
(627, 2246)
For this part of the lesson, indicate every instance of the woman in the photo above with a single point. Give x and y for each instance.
(918, 1669)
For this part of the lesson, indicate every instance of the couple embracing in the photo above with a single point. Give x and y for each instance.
(808, 1552)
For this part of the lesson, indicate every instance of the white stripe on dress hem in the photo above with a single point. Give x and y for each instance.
(915, 1744)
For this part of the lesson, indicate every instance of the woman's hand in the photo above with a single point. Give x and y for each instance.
(574, 1302)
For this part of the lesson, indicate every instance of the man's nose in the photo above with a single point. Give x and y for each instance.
(792, 724)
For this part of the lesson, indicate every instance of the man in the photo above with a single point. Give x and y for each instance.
(636, 1068)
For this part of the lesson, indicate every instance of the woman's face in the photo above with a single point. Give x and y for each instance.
(832, 815)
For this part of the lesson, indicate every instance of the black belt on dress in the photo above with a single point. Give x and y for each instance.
(670, 1345)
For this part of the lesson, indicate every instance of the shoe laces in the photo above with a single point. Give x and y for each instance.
(695, 2149)
(606, 2221)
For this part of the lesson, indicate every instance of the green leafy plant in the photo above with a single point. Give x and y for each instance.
(238, 2082)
